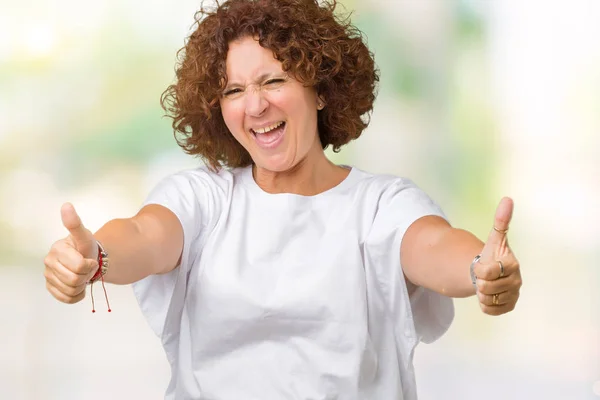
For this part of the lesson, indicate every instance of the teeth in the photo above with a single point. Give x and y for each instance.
(268, 128)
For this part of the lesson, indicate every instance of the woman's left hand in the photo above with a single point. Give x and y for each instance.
(498, 271)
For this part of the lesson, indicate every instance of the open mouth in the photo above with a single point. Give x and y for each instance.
(269, 136)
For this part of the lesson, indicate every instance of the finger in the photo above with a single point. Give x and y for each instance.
(60, 286)
(65, 275)
(511, 283)
(497, 310)
(58, 295)
(73, 260)
(82, 237)
(502, 298)
(502, 219)
(490, 271)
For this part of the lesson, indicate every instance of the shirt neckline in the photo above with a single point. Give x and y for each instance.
(248, 180)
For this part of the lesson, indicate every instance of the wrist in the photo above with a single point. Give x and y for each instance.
(102, 259)
(472, 272)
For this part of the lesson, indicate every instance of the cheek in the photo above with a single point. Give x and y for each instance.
(232, 118)
(289, 103)
(293, 108)
(303, 114)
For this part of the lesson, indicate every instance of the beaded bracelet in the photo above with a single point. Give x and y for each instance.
(99, 275)
(102, 263)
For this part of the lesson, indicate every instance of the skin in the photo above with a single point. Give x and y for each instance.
(259, 93)
(433, 254)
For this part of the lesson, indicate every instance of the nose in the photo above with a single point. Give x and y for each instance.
(256, 104)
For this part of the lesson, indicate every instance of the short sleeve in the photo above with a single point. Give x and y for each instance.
(423, 315)
(194, 196)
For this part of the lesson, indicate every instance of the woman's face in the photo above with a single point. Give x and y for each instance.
(270, 113)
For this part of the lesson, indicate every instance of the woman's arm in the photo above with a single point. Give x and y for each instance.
(149, 243)
(436, 256)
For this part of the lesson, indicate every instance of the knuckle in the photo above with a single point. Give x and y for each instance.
(73, 299)
(73, 292)
(78, 269)
(481, 297)
(48, 261)
(67, 296)
(480, 285)
(59, 297)
(483, 286)
(63, 298)
(516, 267)
(73, 280)
(81, 266)
(519, 282)
(56, 293)
(48, 274)
(516, 295)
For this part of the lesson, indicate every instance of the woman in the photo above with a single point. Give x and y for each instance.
(274, 273)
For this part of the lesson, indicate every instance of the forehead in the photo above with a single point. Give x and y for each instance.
(246, 59)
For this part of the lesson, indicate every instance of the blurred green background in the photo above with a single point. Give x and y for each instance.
(478, 99)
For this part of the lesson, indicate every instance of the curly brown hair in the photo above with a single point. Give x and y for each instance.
(314, 45)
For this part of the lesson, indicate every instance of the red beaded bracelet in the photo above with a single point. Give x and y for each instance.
(102, 269)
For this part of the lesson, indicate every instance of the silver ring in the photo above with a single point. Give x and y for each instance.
(501, 269)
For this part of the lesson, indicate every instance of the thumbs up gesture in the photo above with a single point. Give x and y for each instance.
(72, 261)
(497, 271)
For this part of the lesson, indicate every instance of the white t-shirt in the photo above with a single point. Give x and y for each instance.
(285, 297)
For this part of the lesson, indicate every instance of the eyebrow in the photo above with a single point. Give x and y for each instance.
(260, 78)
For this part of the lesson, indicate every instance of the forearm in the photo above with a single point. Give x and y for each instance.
(449, 259)
(133, 254)
(436, 256)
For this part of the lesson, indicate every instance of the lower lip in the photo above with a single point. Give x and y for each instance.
(273, 143)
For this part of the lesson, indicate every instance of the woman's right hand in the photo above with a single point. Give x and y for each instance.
(72, 261)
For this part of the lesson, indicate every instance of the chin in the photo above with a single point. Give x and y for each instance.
(275, 163)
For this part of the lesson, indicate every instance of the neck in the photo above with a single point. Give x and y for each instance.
(311, 176)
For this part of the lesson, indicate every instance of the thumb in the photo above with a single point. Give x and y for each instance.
(497, 237)
(82, 237)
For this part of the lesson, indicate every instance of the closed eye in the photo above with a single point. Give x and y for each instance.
(231, 92)
(273, 81)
